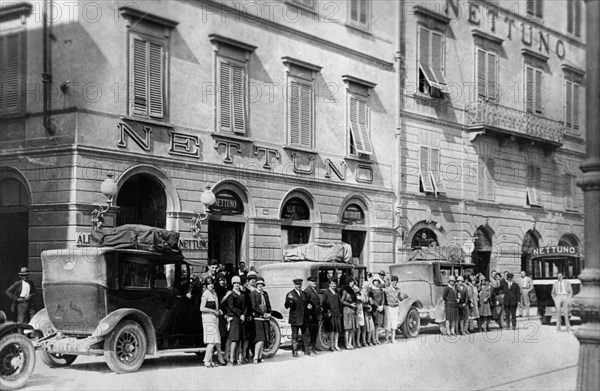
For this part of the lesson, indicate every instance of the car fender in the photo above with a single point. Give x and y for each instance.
(277, 315)
(110, 321)
(440, 311)
(41, 321)
(10, 327)
(405, 306)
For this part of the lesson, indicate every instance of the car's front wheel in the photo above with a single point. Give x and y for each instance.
(412, 323)
(272, 345)
(323, 337)
(125, 347)
(17, 360)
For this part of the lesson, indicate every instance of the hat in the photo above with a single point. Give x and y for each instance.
(451, 278)
(460, 278)
(251, 274)
(24, 271)
(297, 280)
(510, 275)
(260, 280)
(235, 279)
(209, 280)
(394, 278)
(377, 278)
(312, 278)
(221, 276)
(382, 272)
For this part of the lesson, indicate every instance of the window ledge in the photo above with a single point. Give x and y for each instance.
(148, 121)
(354, 26)
(299, 149)
(358, 159)
(231, 136)
(302, 7)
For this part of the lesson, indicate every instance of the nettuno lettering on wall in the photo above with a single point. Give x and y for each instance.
(554, 250)
(531, 36)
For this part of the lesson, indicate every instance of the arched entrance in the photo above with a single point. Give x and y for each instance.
(296, 226)
(226, 229)
(424, 237)
(14, 234)
(142, 200)
(569, 240)
(483, 250)
(531, 240)
(355, 230)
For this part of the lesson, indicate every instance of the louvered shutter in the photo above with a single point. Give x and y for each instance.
(238, 98)
(425, 53)
(529, 87)
(305, 116)
(577, 10)
(362, 11)
(12, 82)
(354, 125)
(425, 173)
(363, 126)
(481, 74)
(538, 8)
(491, 76)
(435, 171)
(490, 181)
(294, 113)
(225, 108)
(354, 10)
(481, 182)
(437, 57)
(530, 7)
(538, 92)
(156, 81)
(570, 16)
(575, 106)
(568, 103)
(139, 75)
(3, 71)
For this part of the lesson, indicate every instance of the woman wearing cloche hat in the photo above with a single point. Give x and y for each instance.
(261, 311)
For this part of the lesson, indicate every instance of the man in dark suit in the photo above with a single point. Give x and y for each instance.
(313, 312)
(512, 297)
(296, 301)
(21, 293)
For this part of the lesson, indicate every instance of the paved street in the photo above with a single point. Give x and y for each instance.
(532, 357)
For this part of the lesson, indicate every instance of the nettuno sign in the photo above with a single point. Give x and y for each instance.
(554, 250)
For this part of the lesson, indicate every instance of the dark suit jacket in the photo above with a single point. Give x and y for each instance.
(312, 315)
(512, 295)
(297, 305)
(259, 311)
(14, 292)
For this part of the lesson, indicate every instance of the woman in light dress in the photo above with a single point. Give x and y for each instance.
(209, 306)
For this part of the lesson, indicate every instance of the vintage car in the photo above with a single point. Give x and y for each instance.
(17, 354)
(125, 304)
(425, 281)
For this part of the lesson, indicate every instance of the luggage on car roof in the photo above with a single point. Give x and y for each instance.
(319, 252)
(140, 237)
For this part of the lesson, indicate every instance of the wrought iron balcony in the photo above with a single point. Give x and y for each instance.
(507, 123)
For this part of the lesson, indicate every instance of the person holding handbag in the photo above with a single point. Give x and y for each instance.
(209, 306)
(261, 311)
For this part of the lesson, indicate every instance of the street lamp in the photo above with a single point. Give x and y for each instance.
(109, 189)
(208, 199)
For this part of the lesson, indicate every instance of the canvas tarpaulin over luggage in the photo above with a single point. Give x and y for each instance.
(140, 237)
(319, 252)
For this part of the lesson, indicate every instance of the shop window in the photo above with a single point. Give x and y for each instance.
(12, 73)
(429, 174)
(431, 62)
(359, 13)
(574, 17)
(486, 180)
(487, 71)
(533, 90)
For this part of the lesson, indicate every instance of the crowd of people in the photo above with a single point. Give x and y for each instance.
(472, 302)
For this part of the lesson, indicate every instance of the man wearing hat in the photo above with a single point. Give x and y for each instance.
(312, 314)
(512, 296)
(21, 293)
(296, 300)
(385, 282)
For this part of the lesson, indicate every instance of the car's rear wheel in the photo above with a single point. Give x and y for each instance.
(412, 323)
(125, 347)
(323, 337)
(272, 345)
(17, 360)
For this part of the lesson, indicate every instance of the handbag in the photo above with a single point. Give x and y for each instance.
(211, 305)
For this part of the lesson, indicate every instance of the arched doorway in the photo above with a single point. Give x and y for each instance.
(483, 251)
(355, 231)
(142, 200)
(424, 237)
(226, 229)
(14, 234)
(296, 227)
(569, 240)
(531, 240)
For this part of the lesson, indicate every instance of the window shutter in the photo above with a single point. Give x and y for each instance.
(570, 16)
(538, 91)
(11, 82)
(362, 11)
(354, 10)
(437, 57)
(490, 181)
(156, 74)
(529, 86)
(139, 72)
(2, 71)
(530, 7)
(538, 8)
(425, 174)
(435, 171)
(238, 98)
(481, 182)
(577, 10)
(305, 116)
(363, 128)
(481, 74)
(354, 125)
(575, 106)
(491, 76)
(225, 96)
(294, 114)
(568, 103)
(568, 191)
(424, 53)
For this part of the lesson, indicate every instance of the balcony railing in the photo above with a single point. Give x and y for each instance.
(509, 122)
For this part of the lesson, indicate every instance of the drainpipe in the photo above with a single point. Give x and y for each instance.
(400, 78)
(47, 68)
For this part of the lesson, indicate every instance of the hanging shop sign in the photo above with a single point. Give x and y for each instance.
(353, 214)
(227, 203)
(295, 209)
(554, 250)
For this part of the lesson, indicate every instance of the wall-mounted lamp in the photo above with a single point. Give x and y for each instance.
(109, 189)
(208, 199)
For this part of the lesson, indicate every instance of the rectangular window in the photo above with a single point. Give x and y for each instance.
(534, 8)
(430, 171)
(147, 76)
(359, 13)
(431, 62)
(358, 118)
(486, 180)
(534, 184)
(571, 105)
(574, 17)
(486, 75)
(569, 191)
(231, 102)
(300, 113)
(12, 73)
(533, 90)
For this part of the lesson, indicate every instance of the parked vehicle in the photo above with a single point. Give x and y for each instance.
(425, 281)
(125, 304)
(17, 354)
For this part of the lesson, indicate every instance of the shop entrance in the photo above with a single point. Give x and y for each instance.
(14, 235)
(530, 241)
(483, 252)
(142, 200)
(225, 242)
(356, 240)
(353, 217)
